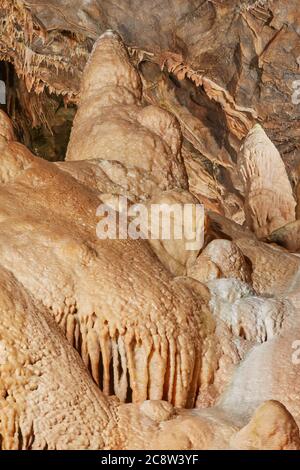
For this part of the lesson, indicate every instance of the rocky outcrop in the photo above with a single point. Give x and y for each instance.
(220, 258)
(269, 201)
(124, 327)
(271, 428)
(198, 343)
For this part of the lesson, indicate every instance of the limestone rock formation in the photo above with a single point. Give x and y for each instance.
(48, 400)
(287, 236)
(138, 340)
(271, 428)
(269, 201)
(139, 147)
(118, 330)
(247, 315)
(188, 230)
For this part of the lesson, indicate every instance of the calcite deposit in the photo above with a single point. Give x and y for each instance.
(114, 341)
(269, 200)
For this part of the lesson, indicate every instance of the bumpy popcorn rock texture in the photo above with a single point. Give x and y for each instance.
(143, 344)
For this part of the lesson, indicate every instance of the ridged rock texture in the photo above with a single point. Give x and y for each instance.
(137, 343)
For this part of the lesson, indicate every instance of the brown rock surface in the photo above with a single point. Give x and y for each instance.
(269, 201)
(199, 346)
(123, 325)
(48, 400)
(271, 428)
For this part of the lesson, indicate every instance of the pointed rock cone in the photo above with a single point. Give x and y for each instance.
(269, 201)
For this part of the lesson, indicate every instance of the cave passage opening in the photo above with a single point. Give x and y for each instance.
(42, 122)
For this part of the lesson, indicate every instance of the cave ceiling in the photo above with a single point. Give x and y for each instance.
(111, 343)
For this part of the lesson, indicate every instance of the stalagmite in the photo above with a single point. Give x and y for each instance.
(269, 201)
(149, 261)
(177, 244)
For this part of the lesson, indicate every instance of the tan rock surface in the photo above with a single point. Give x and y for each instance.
(142, 142)
(112, 318)
(271, 428)
(188, 230)
(269, 201)
(220, 258)
(270, 371)
(54, 404)
(274, 270)
(48, 400)
(287, 236)
(200, 346)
